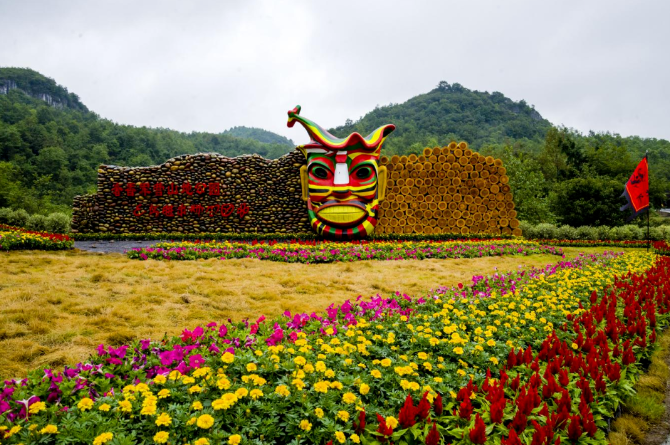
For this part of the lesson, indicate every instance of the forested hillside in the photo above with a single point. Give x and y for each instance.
(259, 135)
(51, 145)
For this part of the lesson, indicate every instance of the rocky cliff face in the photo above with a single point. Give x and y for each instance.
(7, 85)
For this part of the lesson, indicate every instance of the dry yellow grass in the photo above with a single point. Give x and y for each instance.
(58, 306)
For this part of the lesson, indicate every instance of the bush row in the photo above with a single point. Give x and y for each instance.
(53, 223)
(565, 232)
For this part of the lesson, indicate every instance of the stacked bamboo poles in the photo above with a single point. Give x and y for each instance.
(447, 190)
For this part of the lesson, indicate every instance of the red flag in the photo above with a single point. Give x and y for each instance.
(637, 190)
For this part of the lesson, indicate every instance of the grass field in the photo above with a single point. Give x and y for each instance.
(58, 306)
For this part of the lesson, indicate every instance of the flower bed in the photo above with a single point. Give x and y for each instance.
(566, 390)
(311, 376)
(662, 247)
(326, 251)
(593, 243)
(14, 238)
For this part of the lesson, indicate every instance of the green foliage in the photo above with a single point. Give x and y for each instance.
(57, 223)
(260, 135)
(629, 232)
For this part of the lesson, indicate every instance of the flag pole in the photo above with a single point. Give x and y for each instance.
(646, 155)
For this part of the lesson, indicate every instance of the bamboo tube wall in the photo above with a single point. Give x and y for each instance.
(447, 190)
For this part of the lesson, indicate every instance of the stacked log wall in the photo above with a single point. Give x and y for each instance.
(447, 190)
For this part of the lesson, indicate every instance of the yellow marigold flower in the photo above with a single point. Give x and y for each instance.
(300, 360)
(343, 415)
(319, 413)
(227, 357)
(161, 437)
(223, 383)
(201, 441)
(321, 366)
(391, 422)
(104, 407)
(191, 421)
(354, 437)
(251, 367)
(305, 425)
(256, 394)
(103, 438)
(49, 429)
(148, 410)
(376, 373)
(235, 439)
(186, 380)
(428, 366)
(341, 438)
(422, 356)
(308, 368)
(461, 372)
(241, 392)
(321, 387)
(15, 429)
(336, 385)
(349, 398)
(85, 403)
(32, 427)
(330, 373)
(142, 387)
(386, 362)
(37, 407)
(364, 388)
(282, 390)
(125, 406)
(160, 379)
(491, 342)
(458, 350)
(493, 360)
(197, 405)
(574, 345)
(205, 421)
(164, 420)
(163, 393)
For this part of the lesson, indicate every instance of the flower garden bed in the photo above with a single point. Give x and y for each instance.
(326, 251)
(662, 247)
(531, 354)
(14, 238)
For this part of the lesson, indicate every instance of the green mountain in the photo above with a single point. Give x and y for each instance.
(448, 113)
(51, 144)
(260, 135)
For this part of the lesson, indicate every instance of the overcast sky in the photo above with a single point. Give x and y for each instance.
(211, 65)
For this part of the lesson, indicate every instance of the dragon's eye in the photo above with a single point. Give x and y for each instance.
(320, 172)
(363, 172)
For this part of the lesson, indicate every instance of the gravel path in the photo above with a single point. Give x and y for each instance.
(111, 246)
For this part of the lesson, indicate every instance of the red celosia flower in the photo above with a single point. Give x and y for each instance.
(465, 409)
(574, 428)
(497, 411)
(512, 439)
(423, 409)
(407, 414)
(433, 437)
(360, 425)
(478, 433)
(438, 407)
(383, 428)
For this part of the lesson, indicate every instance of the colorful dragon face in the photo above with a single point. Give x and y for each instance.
(342, 181)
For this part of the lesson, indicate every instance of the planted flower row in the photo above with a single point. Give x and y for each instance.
(662, 247)
(326, 252)
(305, 377)
(566, 390)
(15, 238)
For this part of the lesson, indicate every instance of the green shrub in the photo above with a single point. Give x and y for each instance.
(545, 231)
(5, 214)
(37, 223)
(18, 218)
(587, 233)
(58, 223)
(566, 232)
(603, 232)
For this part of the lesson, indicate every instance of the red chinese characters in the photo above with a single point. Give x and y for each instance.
(193, 210)
(160, 189)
